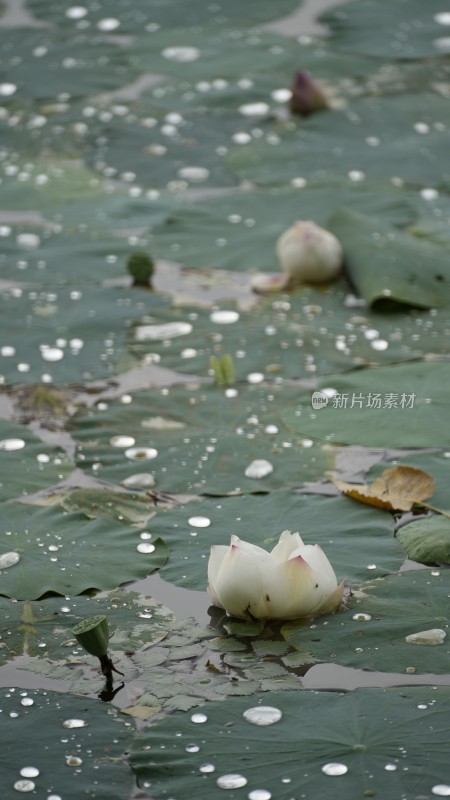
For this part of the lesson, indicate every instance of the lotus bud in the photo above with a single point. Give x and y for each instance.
(294, 580)
(141, 268)
(309, 254)
(93, 634)
(307, 96)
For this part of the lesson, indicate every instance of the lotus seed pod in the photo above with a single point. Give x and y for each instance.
(141, 268)
(93, 634)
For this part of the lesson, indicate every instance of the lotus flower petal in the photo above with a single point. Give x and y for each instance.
(218, 552)
(287, 544)
(243, 580)
(319, 563)
(294, 580)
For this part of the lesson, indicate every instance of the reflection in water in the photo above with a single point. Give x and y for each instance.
(183, 602)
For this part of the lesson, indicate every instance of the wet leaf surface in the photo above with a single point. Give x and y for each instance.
(76, 734)
(371, 633)
(427, 540)
(349, 533)
(69, 554)
(346, 745)
(131, 127)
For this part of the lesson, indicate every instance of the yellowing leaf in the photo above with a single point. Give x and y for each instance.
(141, 712)
(397, 488)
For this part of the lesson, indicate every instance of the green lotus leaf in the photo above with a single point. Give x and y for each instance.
(362, 29)
(427, 540)
(80, 747)
(386, 265)
(67, 554)
(363, 743)
(77, 65)
(358, 540)
(403, 406)
(371, 633)
(165, 15)
(195, 233)
(339, 144)
(26, 463)
(196, 439)
(126, 507)
(43, 629)
(66, 332)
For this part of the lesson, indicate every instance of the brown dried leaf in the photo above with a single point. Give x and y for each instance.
(396, 489)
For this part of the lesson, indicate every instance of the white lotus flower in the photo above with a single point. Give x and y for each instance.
(309, 254)
(294, 580)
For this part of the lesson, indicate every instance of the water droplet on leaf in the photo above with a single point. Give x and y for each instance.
(258, 469)
(199, 522)
(231, 781)
(263, 715)
(9, 559)
(198, 718)
(334, 768)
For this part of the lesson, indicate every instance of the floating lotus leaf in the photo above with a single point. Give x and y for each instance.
(373, 738)
(318, 332)
(371, 633)
(194, 234)
(165, 15)
(79, 748)
(427, 540)
(67, 554)
(357, 540)
(396, 406)
(26, 463)
(213, 54)
(131, 508)
(77, 260)
(409, 145)
(77, 65)
(44, 628)
(66, 332)
(195, 439)
(386, 265)
(413, 30)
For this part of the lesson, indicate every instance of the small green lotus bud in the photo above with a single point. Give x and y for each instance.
(93, 635)
(141, 268)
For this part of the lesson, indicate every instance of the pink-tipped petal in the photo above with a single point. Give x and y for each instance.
(318, 562)
(287, 543)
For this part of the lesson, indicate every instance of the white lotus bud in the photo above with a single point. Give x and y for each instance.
(294, 580)
(309, 254)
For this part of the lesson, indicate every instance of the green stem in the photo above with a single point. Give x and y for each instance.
(108, 667)
(432, 508)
